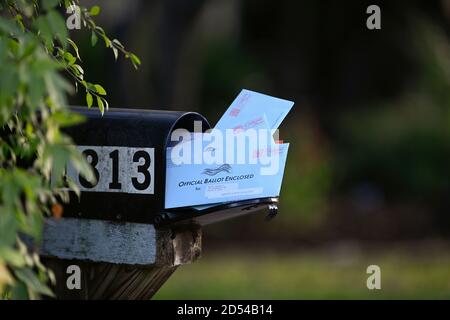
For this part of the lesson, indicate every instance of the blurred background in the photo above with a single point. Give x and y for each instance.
(368, 173)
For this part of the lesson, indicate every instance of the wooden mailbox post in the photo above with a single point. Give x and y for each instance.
(118, 235)
(116, 260)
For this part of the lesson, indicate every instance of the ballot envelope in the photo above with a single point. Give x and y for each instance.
(238, 161)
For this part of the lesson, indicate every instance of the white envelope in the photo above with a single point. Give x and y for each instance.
(195, 183)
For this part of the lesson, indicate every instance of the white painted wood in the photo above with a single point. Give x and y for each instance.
(100, 241)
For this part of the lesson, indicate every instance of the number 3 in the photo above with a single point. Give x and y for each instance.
(142, 169)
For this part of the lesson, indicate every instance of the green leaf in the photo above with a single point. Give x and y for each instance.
(69, 58)
(78, 69)
(56, 86)
(73, 187)
(101, 30)
(80, 164)
(89, 86)
(75, 48)
(107, 41)
(106, 104)
(19, 292)
(101, 105)
(66, 119)
(50, 4)
(100, 90)
(34, 224)
(28, 277)
(117, 43)
(8, 226)
(9, 27)
(12, 256)
(94, 38)
(95, 10)
(116, 52)
(135, 60)
(54, 159)
(58, 26)
(44, 29)
(19, 20)
(89, 99)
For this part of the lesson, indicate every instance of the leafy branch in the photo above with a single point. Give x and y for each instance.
(35, 48)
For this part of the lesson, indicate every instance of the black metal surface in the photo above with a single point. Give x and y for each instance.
(216, 213)
(128, 128)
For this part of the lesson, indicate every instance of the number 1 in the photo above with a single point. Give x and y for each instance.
(115, 184)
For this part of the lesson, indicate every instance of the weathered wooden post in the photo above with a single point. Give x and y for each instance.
(117, 260)
(118, 235)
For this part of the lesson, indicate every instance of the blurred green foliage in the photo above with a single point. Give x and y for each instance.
(403, 145)
(34, 152)
(399, 146)
(308, 175)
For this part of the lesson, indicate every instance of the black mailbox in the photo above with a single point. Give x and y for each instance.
(126, 149)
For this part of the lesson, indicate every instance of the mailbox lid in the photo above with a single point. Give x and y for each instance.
(131, 127)
(126, 130)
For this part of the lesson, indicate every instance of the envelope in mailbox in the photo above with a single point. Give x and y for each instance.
(249, 105)
(239, 158)
(199, 184)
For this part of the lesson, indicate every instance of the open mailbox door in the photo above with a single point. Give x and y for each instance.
(218, 212)
(129, 153)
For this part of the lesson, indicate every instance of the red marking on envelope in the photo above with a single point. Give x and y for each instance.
(265, 152)
(234, 112)
(249, 124)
